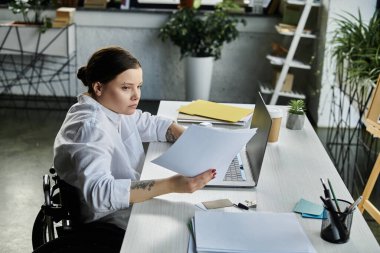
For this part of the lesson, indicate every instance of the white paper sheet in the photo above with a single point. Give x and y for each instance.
(201, 148)
(250, 232)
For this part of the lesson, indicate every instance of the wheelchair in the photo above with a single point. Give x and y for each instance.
(57, 227)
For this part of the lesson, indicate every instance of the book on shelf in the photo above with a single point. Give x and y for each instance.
(290, 29)
(101, 4)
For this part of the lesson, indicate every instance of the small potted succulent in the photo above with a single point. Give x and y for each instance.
(296, 115)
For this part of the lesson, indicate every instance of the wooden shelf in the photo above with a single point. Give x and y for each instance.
(287, 62)
(303, 2)
(289, 32)
(266, 89)
(280, 61)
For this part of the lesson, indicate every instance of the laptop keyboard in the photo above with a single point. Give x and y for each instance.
(235, 171)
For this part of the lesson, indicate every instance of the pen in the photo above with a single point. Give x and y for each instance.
(241, 206)
(326, 191)
(333, 193)
(353, 205)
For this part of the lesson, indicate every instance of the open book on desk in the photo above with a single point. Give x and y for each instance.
(249, 232)
(201, 148)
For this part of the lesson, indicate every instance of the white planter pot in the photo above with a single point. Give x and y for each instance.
(28, 40)
(198, 75)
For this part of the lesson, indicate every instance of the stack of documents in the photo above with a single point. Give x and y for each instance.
(248, 232)
(187, 118)
(201, 148)
(201, 111)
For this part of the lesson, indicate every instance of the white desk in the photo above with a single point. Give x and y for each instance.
(292, 169)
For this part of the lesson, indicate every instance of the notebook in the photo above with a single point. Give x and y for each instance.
(249, 161)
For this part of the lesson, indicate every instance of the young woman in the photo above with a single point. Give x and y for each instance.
(99, 146)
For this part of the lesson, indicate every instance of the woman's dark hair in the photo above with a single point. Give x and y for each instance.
(105, 64)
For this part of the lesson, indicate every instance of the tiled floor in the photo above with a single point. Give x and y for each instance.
(26, 139)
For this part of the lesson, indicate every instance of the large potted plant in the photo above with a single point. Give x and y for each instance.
(356, 55)
(356, 51)
(356, 47)
(200, 37)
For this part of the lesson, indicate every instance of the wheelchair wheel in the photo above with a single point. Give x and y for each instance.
(40, 234)
(94, 237)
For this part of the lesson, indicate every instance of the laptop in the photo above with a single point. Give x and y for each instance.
(244, 170)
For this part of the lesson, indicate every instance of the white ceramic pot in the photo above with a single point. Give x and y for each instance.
(198, 75)
(295, 121)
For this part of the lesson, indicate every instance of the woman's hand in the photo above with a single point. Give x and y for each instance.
(182, 184)
(147, 189)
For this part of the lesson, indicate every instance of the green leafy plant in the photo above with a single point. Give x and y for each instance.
(297, 106)
(357, 47)
(202, 34)
(37, 7)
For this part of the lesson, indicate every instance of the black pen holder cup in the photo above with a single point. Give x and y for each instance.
(336, 226)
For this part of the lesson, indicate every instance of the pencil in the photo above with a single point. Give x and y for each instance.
(333, 193)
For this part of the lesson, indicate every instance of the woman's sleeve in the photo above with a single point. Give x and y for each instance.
(90, 153)
(151, 128)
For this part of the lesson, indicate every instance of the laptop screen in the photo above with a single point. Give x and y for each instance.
(257, 145)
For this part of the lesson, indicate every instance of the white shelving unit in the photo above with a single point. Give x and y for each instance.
(289, 61)
(265, 89)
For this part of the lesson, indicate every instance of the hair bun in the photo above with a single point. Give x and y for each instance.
(81, 74)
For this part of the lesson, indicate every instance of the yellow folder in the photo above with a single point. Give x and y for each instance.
(215, 110)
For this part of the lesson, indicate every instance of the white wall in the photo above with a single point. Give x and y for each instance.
(235, 75)
(334, 9)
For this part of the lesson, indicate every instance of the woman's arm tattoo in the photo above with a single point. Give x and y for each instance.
(143, 184)
(170, 136)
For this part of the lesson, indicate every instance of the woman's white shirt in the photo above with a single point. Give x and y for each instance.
(100, 152)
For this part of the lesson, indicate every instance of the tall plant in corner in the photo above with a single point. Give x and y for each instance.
(200, 37)
(356, 49)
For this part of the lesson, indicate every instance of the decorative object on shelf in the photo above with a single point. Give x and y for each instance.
(37, 7)
(95, 4)
(296, 114)
(278, 50)
(288, 82)
(67, 3)
(64, 16)
(200, 37)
